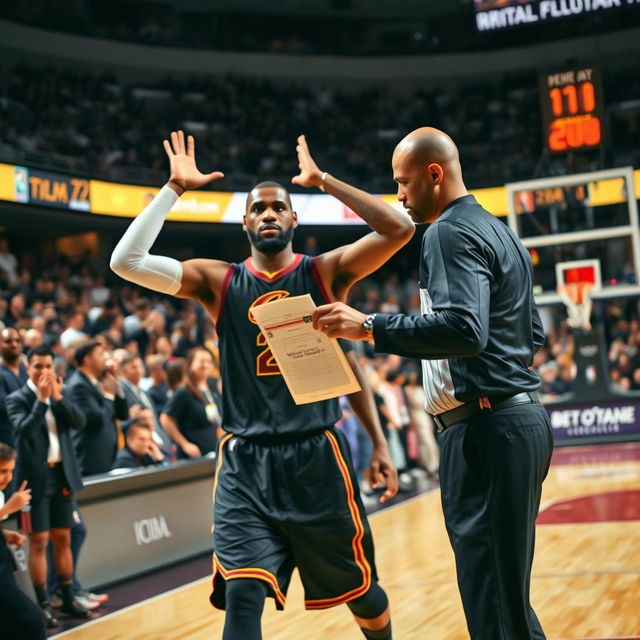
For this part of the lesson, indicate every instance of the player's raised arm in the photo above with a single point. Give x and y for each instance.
(131, 259)
(392, 229)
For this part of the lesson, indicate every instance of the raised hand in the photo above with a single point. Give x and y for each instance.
(57, 385)
(182, 160)
(110, 384)
(19, 499)
(45, 387)
(310, 175)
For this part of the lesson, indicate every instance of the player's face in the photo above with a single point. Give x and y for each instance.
(416, 190)
(269, 220)
(6, 472)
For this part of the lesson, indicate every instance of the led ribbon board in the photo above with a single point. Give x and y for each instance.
(495, 15)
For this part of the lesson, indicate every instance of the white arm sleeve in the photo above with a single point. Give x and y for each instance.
(131, 259)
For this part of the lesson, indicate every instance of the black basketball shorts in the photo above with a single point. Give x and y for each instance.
(287, 504)
(55, 509)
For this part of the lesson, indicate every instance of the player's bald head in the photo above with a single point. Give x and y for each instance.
(427, 145)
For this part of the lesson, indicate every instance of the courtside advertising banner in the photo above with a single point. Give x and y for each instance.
(124, 200)
(586, 421)
(25, 185)
(44, 188)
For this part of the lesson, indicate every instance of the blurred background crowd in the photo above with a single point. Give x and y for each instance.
(98, 125)
(162, 349)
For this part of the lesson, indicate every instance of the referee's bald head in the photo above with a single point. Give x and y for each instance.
(426, 145)
(426, 166)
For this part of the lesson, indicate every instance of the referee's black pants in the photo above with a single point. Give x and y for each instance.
(491, 471)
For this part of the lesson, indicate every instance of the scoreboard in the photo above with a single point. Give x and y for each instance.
(572, 109)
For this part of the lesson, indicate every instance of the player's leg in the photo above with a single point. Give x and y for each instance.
(63, 562)
(38, 541)
(252, 558)
(372, 614)
(245, 604)
(330, 534)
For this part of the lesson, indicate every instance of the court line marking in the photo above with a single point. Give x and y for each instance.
(91, 623)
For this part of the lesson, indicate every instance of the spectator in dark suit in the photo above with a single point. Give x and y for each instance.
(13, 374)
(138, 400)
(137, 452)
(156, 366)
(43, 419)
(97, 393)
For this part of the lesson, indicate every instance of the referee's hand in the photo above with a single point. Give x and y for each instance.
(338, 320)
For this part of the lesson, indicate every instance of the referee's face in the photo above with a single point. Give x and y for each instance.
(416, 189)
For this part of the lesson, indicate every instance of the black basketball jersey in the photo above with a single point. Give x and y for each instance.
(256, 400)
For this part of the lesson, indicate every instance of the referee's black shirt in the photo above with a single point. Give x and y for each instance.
(480, 327)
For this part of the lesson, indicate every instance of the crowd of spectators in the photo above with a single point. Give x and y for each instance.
(163, 351)
(99, 126)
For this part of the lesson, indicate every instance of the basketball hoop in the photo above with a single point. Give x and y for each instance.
(577, 280)
(577, 298)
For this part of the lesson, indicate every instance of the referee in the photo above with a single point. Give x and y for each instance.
(477, 335)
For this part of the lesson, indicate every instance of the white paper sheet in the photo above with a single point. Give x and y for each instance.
(313, 365)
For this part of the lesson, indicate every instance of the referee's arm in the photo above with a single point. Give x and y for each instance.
(459, 284)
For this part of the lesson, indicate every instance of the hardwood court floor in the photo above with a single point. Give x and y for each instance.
(586, 575)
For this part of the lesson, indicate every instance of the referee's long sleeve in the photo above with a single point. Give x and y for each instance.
(459, 288)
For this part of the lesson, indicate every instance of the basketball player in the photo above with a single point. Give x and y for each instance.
(285, 492)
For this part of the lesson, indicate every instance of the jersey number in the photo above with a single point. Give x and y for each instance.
(266, 364)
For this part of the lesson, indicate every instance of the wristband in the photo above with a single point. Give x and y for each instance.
(321, 187)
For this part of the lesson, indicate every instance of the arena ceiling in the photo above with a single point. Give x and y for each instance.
(363, 8)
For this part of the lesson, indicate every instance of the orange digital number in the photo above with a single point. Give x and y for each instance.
(574, 133)
(568, 101)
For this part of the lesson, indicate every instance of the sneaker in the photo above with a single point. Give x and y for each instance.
(418, 473)
(98, 597)
(86, 603)
(405, 482)
(56, 601)
(75, 610)
(50, 621)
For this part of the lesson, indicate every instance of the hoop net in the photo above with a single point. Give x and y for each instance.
(576, 282)
(577, 298)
